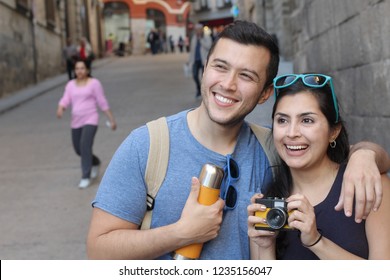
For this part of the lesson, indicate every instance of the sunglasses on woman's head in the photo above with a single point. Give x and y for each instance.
(309, 80)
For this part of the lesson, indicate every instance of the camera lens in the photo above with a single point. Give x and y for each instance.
(276, 218)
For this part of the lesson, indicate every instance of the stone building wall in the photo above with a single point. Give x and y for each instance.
(349, 39)
(15, 51)
(31, 44)
(29, 50)
(274, 17)
(49, 54)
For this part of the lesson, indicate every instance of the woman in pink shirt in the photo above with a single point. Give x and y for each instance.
(85, 94)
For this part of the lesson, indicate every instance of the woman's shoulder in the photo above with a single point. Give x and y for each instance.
(385, 183)
(70, 83)
(94, 81)
(384, 208)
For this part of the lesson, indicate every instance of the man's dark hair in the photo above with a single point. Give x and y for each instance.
(249, 33)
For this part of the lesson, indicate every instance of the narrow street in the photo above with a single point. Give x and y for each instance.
(43, 214)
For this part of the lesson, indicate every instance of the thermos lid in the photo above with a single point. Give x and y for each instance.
(179, 257)
(211, 176)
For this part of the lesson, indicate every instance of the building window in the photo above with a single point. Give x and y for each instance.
(204, 4)
(221, 4)
(201, 5)
(50, 13)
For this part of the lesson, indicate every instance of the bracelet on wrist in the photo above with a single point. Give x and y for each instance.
(318, 240)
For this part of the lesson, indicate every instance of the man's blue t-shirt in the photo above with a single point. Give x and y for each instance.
(122, 191)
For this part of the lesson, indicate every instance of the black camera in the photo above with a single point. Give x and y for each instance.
(276, 214)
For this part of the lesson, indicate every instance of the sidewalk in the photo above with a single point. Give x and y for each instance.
(32, 91)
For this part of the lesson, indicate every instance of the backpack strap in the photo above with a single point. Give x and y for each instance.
(264, 136)
(157, 164)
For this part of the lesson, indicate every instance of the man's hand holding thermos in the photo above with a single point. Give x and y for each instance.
(206, 218)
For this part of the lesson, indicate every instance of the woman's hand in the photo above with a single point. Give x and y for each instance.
(60, 112)
(111, 119)
(113, 124)
(262, 238)
(302, 218)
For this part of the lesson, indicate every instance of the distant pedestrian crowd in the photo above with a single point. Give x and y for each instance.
(157, 42)
(197, 46)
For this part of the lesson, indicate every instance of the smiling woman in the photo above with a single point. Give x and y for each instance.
(311, 139)
(301, 132)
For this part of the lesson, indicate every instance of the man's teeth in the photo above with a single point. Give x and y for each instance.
(223, 99)
(296, 147)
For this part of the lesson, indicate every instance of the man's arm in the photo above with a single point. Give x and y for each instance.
(362, 179)
(113, 238)
(382, 158)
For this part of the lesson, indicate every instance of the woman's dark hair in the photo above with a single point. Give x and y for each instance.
(248, 33)
(87, 65)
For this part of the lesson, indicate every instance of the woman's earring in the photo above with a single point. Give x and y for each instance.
(333, 144)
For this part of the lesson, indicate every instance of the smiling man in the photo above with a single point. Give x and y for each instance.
(238, 75)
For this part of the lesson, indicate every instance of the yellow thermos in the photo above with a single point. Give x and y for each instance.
(210, 179)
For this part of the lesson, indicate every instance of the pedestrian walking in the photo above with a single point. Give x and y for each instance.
(84, 94)
(171, 44)
(200, 46)
(180, 43)
(153, 40)
(70, 55)
(110, 43)
(187, 43)
(85, 52)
